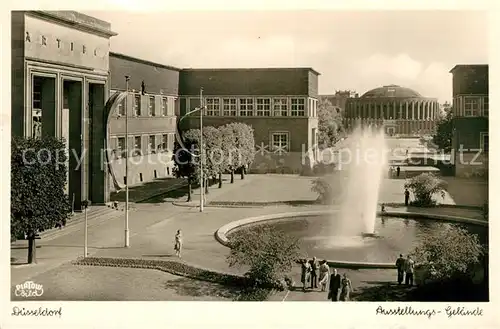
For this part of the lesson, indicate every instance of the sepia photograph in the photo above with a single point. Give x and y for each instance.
(259, 156)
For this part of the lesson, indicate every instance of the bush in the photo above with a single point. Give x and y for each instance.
(324, 189)
(270, 254)
(38, 180)
(450, 253)
(424, 187)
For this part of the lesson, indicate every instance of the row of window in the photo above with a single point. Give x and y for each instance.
(151, 106)
(474, 107)
(263, 107)
(165, 145)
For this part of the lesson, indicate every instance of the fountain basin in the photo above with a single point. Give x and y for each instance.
(395, 233)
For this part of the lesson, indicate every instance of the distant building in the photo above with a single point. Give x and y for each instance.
(470, 119)
(279, 103)
(340, 98)
(401, 111)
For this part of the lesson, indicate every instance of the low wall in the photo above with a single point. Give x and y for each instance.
(221, 233)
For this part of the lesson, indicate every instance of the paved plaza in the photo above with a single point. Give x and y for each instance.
(153, 224)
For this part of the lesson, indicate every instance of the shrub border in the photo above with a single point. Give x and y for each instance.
(222, 232)
(173, 267)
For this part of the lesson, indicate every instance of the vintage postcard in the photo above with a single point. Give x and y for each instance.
(285, 157)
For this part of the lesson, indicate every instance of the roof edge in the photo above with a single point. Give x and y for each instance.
(143, 61)
(460, 66)
(252, 69)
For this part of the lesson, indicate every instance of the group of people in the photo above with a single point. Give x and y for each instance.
(394, 171)
(339, 287)
(406, 268)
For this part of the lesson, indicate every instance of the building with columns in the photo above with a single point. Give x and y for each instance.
(470, 141)
(400, 110)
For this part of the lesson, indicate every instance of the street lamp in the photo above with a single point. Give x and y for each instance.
(200, 109)
(127, 233)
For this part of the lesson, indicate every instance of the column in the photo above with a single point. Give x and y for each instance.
(394, 110)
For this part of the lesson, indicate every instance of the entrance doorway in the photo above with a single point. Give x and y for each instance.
(43, 107)
(97, 186)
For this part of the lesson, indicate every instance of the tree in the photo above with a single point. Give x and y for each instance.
(450, 253)
(444, 131)
(329, 123)
(232, 156)
(424, 187)
(185, 164)
(268, 253)
(214, 154)
(244, 145)
(38, 181)
(323, 187)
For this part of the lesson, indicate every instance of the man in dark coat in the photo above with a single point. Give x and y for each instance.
(407, 197)
(333, 292)
(400, 265)
(314, 273)
(398, 171)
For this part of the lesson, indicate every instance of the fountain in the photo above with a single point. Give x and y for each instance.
(365, 166)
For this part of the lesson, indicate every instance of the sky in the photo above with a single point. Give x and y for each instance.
(353, 50)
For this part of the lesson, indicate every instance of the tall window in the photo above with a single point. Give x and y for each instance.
(164, 106)
(151, 106)
(37, 93)
(280, 107)
(471, 106)
(213, 106)
(280, 142)
(298, 107)
(137, 105)
(164, 142)
(121, 108)
(263, 107)
(137, 145)
(484, 142)
(120, 147)
(246, 107)
(151, 143)
(486, 106)
(229, 107)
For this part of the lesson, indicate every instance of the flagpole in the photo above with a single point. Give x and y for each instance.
(202, 182)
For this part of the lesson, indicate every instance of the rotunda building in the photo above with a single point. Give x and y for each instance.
(400, 110)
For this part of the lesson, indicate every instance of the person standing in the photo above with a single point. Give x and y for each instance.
(409, 269)
(407, 197)
(324, 273)
(400, 265)
(398, 171)
(305, 273)
(346, 288)
(178, 243)
(314, 273)
(335, 282)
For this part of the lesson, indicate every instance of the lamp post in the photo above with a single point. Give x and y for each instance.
(202, 181)
(127, 233)
(200, 109)
(85, 205)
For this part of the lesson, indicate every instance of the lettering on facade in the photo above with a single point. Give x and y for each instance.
(59, 42)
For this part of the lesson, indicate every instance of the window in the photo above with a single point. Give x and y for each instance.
(213, 107)
(121, 147)
(229, 107)
(37, 93)
(298, 105)
(486, 106)
(164, 142)
(279, 142)
(121, 108)
(164, 106)
(137, 145)
(484, 142)
(246, 107)
(471, 106)
(263, 107)
(280, 107)
(152, 143)
(151, 106)
(137, 105)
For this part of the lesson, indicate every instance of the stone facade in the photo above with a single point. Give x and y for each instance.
(401, 111)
